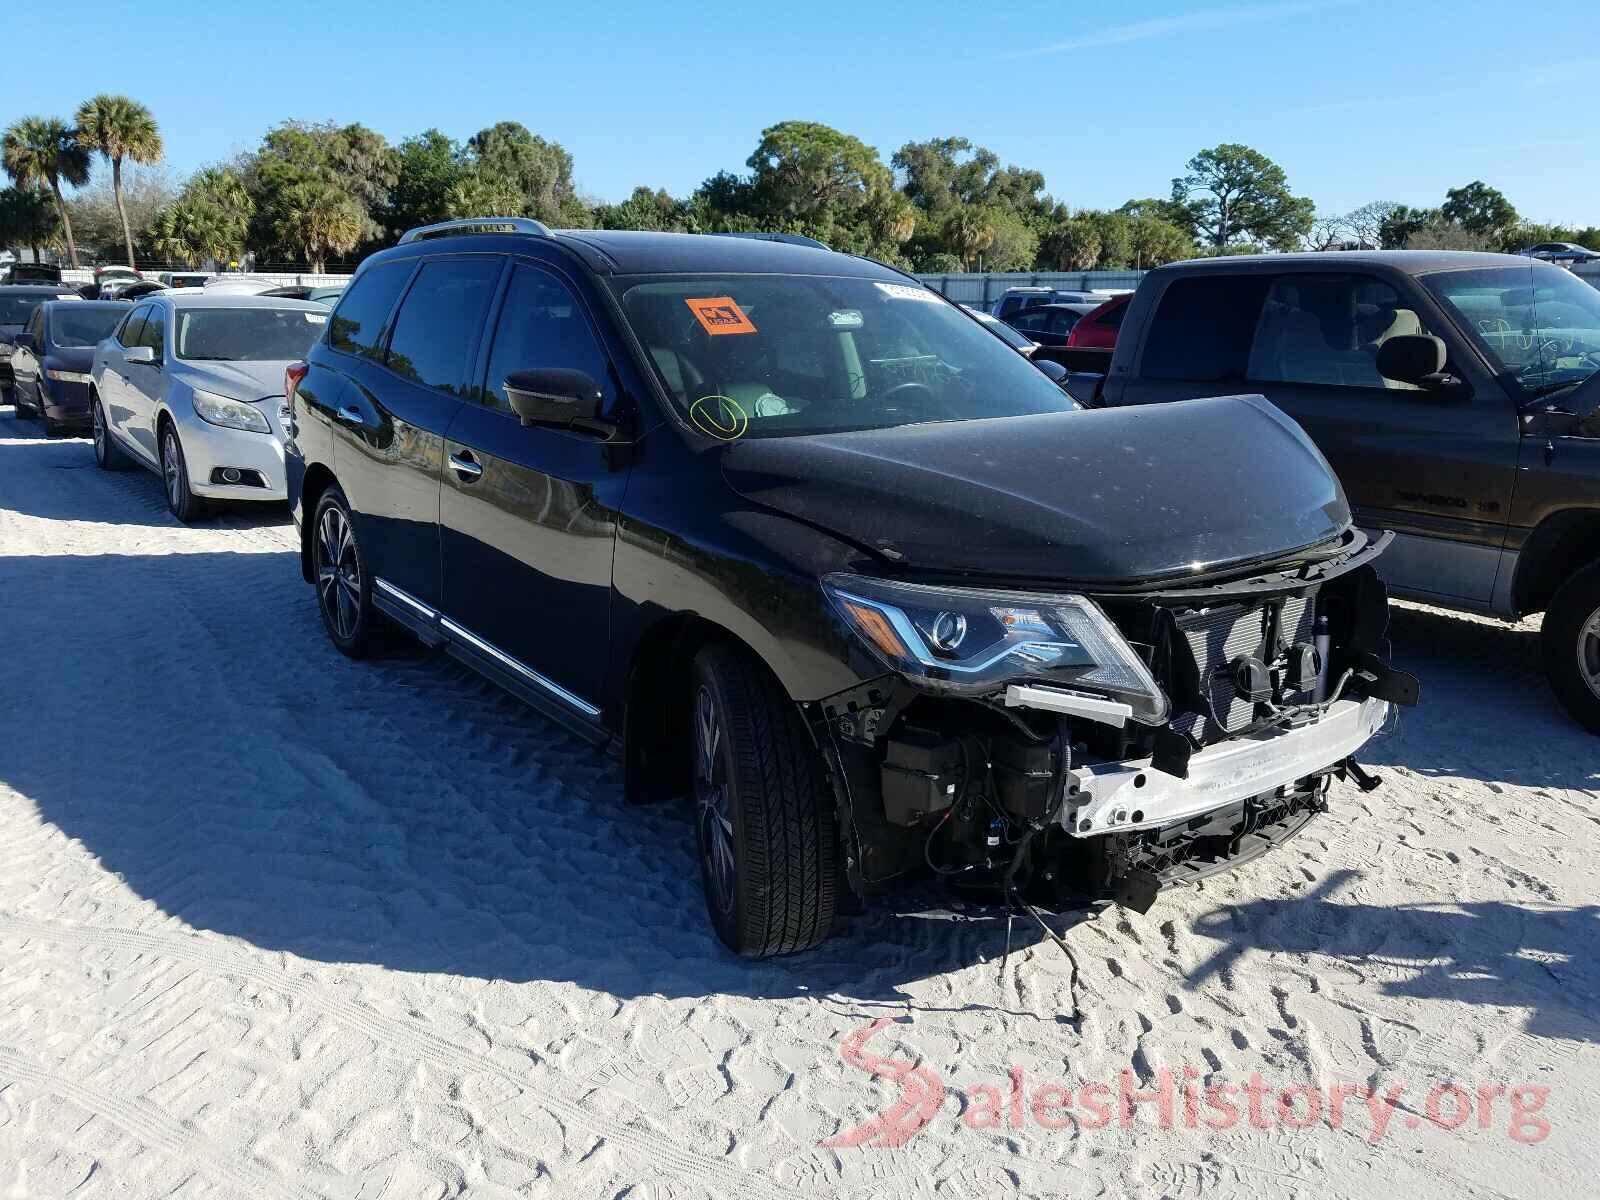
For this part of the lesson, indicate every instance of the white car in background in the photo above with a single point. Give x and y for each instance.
(238, 285)
(190, 386)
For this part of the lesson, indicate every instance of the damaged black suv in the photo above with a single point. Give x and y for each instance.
(797, 537)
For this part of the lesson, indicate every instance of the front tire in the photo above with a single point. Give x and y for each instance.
(764, 820)
(22, 411)
(344, 588)
(1570, 642)
(181, 502)
(106, 451)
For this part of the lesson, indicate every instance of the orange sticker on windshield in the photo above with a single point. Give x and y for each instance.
(719, 315)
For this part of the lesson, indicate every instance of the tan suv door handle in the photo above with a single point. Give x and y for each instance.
(465, 466)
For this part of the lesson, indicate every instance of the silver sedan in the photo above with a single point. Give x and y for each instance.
(190, 386)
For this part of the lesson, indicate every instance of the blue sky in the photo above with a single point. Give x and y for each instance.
(1357, 101)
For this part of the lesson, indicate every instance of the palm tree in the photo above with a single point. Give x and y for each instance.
(40, 151)
(119, 128)
(318, 219)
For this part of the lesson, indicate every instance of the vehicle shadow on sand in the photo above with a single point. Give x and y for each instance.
(1487, 711)
(1538, 957)
(129, 497)
(184, 719)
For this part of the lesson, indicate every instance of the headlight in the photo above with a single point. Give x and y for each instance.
(69, 376)
(972, 641)
(219, 410)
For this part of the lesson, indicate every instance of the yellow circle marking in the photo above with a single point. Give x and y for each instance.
(726, 420)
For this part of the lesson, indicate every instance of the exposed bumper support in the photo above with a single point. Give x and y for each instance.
(1116, 797)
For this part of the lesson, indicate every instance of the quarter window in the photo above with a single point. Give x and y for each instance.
(357, 323)
(1327, 329)
(436, 331)
(541, 325)
(1203, 327)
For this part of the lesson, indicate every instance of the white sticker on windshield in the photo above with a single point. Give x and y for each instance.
(317, 318)
(845, 318)
(905, 291)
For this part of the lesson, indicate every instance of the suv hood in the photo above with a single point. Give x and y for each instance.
(1114, 495)
(239, 380)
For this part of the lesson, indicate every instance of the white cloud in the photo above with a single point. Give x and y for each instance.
(1159, 27)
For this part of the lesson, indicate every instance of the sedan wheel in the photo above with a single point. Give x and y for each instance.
(106, 452)
(185, 505)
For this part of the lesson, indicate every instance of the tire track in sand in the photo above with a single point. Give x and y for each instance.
(650, 1146)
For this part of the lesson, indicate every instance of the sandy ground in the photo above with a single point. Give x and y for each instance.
(274, 924)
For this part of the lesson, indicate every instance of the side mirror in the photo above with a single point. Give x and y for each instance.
(554, 396)
(140, 354)
(24, 341)
(1417, 358)
(1050, 367)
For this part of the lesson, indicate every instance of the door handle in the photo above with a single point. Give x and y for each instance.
(351, 415)
(465, 466)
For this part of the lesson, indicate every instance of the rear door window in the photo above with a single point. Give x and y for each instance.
(357, 324)
(1203, 328)
(128, 332)
(436, 331)
(153, 332)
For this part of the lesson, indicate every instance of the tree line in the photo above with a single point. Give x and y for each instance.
(328, 194)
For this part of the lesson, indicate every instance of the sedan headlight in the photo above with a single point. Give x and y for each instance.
(972, 641)
(234, 414)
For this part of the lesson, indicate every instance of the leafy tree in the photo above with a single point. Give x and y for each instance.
(295, 157)
(1232, 192)
(1401, 222)
(518, 174)
(1153, 241)
(645, 209)
(945, 172)
(809, 172)
(428, 170)
(26, 218)
(1479, 208)
(44, 152)
(119, 129)
(1116, 239)
(1166, 210)
(1442, 234)
(319, 220)
(1072, 245)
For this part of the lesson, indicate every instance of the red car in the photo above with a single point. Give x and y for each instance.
(1098, 329)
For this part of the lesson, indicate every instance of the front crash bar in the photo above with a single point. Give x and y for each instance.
(1115, 797)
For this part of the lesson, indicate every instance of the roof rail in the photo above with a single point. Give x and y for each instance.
(475, 225)
(793, 239)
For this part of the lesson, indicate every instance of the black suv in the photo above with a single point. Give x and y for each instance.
(792, 534)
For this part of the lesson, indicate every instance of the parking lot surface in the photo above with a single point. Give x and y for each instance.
(277, 924)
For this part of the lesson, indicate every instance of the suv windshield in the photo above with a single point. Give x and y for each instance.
(74, 326)
(774, 355)
(246, 334)
(1539, 325)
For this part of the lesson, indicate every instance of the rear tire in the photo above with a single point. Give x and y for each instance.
(23, 412)
(1570, 645)
(339, 571)
(764, 820)
(181, 502)
(106, 451)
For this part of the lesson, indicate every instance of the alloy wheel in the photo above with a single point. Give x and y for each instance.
(338, 572)
(172, 469)
(1589, 652)
(715, 809)
(99, 421)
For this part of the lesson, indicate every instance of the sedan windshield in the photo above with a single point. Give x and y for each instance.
(74, 326)
(774, 355)
(15, 310)
(246, 334)
(1539, 325)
